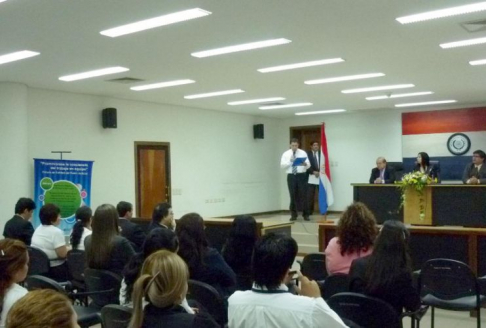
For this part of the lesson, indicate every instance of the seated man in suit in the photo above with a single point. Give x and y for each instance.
(475, 173)
(382, 173)
(19, 227)
(162, 217)
(269, 303)
(131, 231)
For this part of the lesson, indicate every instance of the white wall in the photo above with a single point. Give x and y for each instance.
(354, 142)
(13, 148)
(213, 154)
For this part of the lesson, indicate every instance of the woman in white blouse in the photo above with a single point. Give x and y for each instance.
(14, 265)
(82, 228)
(50, 239)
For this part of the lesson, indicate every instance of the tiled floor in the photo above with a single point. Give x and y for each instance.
(449, 319)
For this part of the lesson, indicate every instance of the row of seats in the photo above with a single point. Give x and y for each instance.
(442, 283)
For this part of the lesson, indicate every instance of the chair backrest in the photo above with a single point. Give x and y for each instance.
(41, 282)
(103, 281)
(209, 298)
(398, 168)
(335, 283)
(38, 262)
(364, 311)
(115, 316)
(76, 261)
(314, 266)
(447, 279)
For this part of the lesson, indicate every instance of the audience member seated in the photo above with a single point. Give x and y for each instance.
(19, 227)
(82, 227)
(162, 217)
(157, 239)
(382, 173)
(50, 239)
(14, 264)
(475, 172)
(205, 263)
(131, 231)
(42, 308)
(269, 304)
(105, 249)
(423, 165)
(239, 247)
(356, 232)
(163, 283)
(387, 273)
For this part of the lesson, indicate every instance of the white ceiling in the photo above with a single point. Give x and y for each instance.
(363, 32)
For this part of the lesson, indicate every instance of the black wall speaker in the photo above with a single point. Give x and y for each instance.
(258, 131)
(108, 116)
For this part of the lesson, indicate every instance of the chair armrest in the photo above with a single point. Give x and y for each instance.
(417, 314)
(482, 285)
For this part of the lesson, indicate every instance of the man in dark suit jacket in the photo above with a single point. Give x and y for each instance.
(131, 231)
(314, 156)
(382, 173)
(19, 227)
(475, 173)
(162, 217)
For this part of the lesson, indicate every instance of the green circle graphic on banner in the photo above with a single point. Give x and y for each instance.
(46, 183)
(64, 194)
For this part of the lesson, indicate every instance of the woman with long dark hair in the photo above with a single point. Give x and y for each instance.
(14, 265)
(238, 249)
(423, 165)
(387, 272)
(356, 232)
(105, 249)
(82, 227)
(205, 263)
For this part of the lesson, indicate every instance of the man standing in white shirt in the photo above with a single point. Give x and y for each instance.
(296, 163)
(269, 304)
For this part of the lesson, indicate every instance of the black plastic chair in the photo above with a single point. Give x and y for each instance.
(364, 311)
(38, 262)
(313, 266)
(210, 299)
(115, 316)
(334, 284)
(86, 316)
(76, 261)
(450, 285)
(103, 287)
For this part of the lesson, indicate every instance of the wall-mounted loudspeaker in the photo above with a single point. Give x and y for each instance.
(258, 131)
(108, 116)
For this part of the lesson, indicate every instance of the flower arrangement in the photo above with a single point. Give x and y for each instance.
(417, 181)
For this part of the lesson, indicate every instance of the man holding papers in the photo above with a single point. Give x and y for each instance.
(314, 156)
(296, 163)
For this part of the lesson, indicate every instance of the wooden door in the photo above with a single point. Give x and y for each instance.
(306, 135)
(152, 176)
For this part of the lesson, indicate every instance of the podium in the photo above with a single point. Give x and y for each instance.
(417, 208)
(441, 204)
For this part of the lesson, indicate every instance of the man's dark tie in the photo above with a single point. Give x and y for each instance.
(474, 172)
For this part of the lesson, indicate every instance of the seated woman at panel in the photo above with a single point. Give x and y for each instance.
(43, 308)
(239, 247)
(50, 239)
(157, 239)
(356, 232)
(14, 265)
(82, 228)
(387, 273)
(163, 283)
(105, 249)
(423, 165)
(205, 263)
